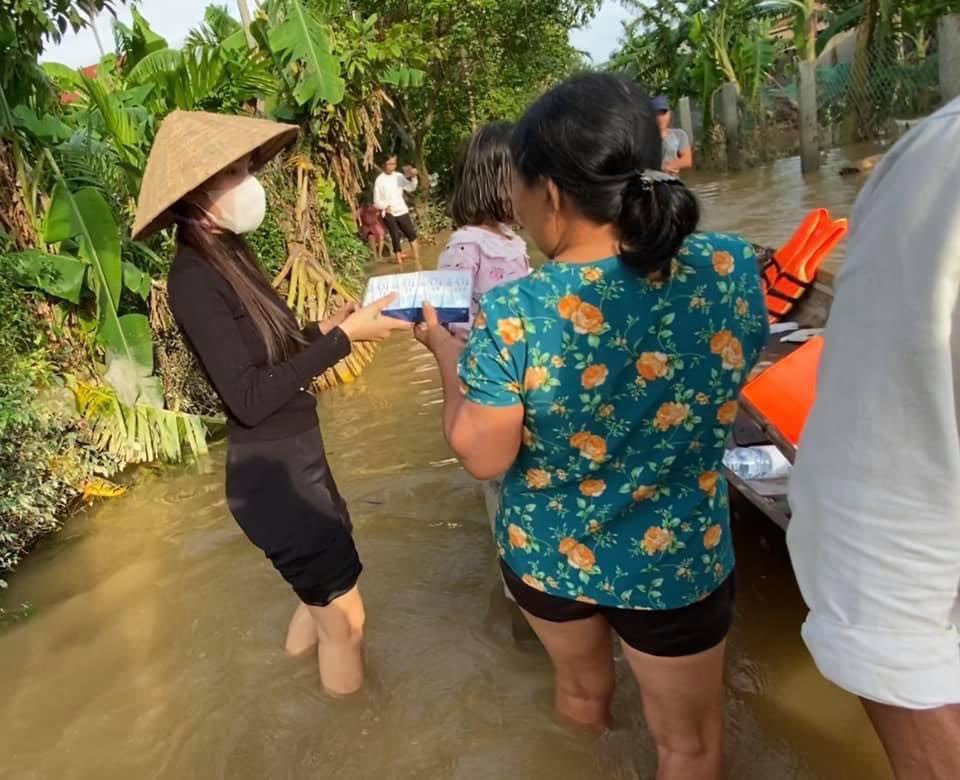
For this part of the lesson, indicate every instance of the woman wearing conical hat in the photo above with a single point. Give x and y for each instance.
(279, 486)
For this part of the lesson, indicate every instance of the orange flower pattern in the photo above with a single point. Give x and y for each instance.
(652, 365)
(594, 376)
(708, 482)
(727, 413)
(587, 318)
(510, 330)
(728, 347)
(535, 378)
(670, 415)
(593, 487)
(723, 263)
(629, 388)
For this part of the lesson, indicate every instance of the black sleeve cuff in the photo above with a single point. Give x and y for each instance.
(321, 354)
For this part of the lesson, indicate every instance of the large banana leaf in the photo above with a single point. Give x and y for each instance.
(85, 217)
(63, 76)
(139, 41)
(44, 127)
(57, 275)
(302, 39)
(156, 66)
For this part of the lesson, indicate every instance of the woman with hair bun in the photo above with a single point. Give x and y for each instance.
(605, 384)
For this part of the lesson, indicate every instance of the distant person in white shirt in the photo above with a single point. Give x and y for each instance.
(388, 198)
(677, 152)
(875, 492)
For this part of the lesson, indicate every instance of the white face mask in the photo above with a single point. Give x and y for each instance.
(240, 208)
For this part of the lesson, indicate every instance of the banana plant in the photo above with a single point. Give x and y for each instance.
(82, 221)
(754, 56)
(301, 43)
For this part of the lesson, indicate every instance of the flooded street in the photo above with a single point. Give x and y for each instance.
(155, 647)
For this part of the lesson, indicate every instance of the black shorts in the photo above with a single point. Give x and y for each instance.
(283, 496)
(397, 225)
(661, 632)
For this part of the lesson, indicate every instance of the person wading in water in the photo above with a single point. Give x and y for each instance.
(605, 385)
(388, 192)
(279, 486)
(677, 152)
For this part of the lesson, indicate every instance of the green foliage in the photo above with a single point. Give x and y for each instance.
(269, 242)
(483, 60)
(58, 275)
(136, 43)
(42, 458)
(348, 253)
(218, 27)
(692, 48)
(301, 42)
(27, 25)
(85, 218)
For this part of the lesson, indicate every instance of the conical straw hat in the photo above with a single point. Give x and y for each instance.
(192, 146)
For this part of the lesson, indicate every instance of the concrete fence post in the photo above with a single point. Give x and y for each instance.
(948, 46)
(730, 119)
(686, 119)
(809, 125)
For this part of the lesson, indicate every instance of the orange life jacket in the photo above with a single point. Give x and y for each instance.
(792, 269)
(785, 392)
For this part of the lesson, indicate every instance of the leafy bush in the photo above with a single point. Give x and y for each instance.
(269, 242)
(348, 253)
(44, 454)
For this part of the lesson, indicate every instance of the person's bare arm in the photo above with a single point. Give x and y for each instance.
(485, 439)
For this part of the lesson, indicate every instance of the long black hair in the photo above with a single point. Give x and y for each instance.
(596, 137)
(482, 179)
(231, 256)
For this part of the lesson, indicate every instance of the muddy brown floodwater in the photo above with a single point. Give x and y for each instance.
(155, 647)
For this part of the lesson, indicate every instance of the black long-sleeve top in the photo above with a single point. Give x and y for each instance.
(263, 402)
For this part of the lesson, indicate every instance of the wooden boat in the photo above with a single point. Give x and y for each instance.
(751, 428)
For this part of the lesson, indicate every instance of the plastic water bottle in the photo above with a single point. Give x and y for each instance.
(766, 462)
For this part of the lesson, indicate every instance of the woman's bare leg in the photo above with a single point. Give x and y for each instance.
(582, 655)
(683, 706)
(302, 632)
(372, 243)
(339, 626)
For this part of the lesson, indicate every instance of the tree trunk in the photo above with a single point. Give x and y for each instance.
(420, 160)
(15, 216)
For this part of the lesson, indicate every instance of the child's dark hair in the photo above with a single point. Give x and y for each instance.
(481, 190)
(596, 136)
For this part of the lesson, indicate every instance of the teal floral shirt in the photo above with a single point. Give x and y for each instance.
(629, 389)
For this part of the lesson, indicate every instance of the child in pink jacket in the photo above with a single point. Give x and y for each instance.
(483, 243)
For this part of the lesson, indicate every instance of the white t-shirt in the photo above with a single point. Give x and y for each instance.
(875, 492)
(388, 192)
(674, 142)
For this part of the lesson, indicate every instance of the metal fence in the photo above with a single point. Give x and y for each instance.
(874, 97)
(862, 100)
